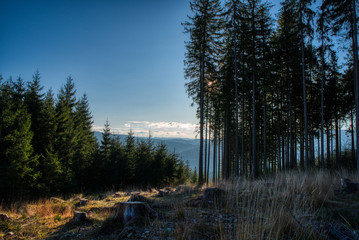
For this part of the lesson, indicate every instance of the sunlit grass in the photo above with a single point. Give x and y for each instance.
(285, 206)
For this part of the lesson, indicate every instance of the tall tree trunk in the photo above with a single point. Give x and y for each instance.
(254, 147)
(265, 134)
(301, 161)
(306, 163)
(336, 143)
(294, 144)
(209, 152)
(352, 136)
(219, 160)
(235, 88)
(356, 78)
(206, 157)
(214, 156)
(328, 147)
(200, 161)
(322, 97)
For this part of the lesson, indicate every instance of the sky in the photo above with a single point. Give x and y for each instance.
(126, 55)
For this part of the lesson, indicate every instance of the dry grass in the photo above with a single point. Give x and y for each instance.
(286, 206)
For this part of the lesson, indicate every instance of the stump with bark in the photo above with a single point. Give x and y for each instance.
(129, 212)
(347, 186)
(79, 216)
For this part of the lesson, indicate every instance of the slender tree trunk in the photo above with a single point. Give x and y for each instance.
(209, 152)
(236, 88)
(206, 157)
(352, 135)
(340, 142)
(219, 156)
(214, 156)
(295, 142)
(319, 151)
(306, 163)
(336, 143)
(322, 97)
(356, 78)
(328, 148)
(200, 163)
(254, 147)
(301, 151)
(265, 134)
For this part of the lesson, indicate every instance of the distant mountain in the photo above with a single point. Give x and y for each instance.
(187, 149)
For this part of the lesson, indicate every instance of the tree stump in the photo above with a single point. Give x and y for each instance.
(210, 197)
(80, 216)
(128, 212)
(347, 186)
(213, 194)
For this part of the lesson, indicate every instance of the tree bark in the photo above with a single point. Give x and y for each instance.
(356, 78)
(306, 160)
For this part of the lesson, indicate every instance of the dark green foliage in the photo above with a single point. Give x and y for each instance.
(47, 147)
(137, 163)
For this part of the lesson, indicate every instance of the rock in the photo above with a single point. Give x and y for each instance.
(80, 216)
(139, 198)
(347, 186)
(128, 212)
(4, 217)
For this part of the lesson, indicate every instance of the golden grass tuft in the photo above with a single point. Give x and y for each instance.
(46, 208)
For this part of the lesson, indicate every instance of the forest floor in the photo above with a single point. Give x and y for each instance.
(290, 205)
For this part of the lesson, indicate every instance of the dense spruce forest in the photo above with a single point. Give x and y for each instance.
(272, 90)
(47, 147)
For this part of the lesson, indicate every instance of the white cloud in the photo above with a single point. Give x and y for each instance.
(157, 129)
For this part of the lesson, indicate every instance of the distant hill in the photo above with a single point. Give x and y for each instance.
(187, 149)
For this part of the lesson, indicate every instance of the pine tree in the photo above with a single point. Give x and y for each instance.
(86, 141)
(20, 164)
(34, 101)
(66, 135)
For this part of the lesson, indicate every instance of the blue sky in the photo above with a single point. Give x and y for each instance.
(127, 56)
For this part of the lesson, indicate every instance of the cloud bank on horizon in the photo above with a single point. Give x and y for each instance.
(156, 129)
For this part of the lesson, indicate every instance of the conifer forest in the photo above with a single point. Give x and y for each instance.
(273, 92)
(47, 147)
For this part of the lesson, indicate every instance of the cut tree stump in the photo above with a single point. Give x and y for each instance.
(80, 216)
(347, 186)
(128, 212)
(211, 197)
